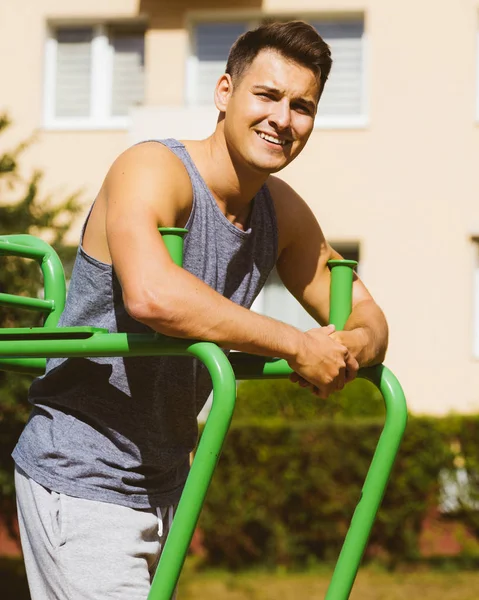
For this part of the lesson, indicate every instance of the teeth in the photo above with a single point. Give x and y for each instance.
(270, 138)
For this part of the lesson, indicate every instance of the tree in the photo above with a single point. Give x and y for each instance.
(26, 211)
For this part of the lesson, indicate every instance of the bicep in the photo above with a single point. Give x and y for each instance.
(141, 196)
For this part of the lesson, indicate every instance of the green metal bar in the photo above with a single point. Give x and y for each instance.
(354, 545)
(28, 246)
(201, 473)
(341, 291)
(173, 238)
(34, 248)
(26, 302)
(10, 248)
(98, 344)
(30, 366)
(51, 333)
(375, 484)
(248, 366)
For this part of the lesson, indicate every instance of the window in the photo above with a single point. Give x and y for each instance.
(343, 95)
(477, 76)
(343, 101)
(212, 43)
(276, 301)
(93, 75)
(475, 297)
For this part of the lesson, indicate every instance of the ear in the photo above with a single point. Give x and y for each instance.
(223, 92)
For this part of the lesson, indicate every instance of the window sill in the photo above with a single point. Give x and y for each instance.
(118, 124)
(346, 122)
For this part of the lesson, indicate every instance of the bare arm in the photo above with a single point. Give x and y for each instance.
(147, 188)
(303, 268)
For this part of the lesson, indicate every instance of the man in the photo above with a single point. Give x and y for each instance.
(104, 457)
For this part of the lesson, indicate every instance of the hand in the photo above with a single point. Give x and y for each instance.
(321, 362)
(354, 340)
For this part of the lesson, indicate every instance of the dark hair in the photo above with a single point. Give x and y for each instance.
(295, 40)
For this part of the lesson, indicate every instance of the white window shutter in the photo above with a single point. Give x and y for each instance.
(213, 42)
(128, 82)
(343, 94)
(73, 72)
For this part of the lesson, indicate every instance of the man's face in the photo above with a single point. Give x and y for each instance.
(270, 114)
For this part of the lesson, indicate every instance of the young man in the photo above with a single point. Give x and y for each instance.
(104, 456)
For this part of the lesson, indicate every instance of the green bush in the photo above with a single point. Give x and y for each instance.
(284, 492)
(25, 209)
(281, 399)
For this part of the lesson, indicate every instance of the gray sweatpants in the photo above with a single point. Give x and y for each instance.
(76, 549)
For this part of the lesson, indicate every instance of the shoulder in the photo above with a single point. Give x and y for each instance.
(150, 172)
(152, 159)
(291, 210)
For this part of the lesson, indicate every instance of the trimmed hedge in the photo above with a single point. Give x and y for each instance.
(284, 491)
(269, 399)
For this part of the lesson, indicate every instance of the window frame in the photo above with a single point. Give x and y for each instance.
(474, 239)
(102, 55)
(360, 121)
(477, 75)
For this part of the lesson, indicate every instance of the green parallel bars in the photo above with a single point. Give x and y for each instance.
(249, 367)
(24, 245)
(52, 269)
(17, 344)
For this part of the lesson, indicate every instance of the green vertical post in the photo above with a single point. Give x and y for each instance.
(207, 453)
(375, 484)
(382, 463)
(201, 472)
(173, 238)
(341, 291)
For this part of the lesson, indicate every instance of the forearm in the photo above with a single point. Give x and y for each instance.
(188, 308)
(369, 333)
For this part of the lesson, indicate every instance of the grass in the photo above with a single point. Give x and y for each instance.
(371, 584)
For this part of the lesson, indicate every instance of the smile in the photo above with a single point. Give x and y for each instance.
(272, 139)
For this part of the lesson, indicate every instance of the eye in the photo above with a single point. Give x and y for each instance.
(305, 110)
(266, 95)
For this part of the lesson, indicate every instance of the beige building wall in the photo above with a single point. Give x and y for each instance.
(405, 184)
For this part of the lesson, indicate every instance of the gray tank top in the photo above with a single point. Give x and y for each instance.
(120, 430)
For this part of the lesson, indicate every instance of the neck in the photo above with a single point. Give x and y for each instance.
(233, 184)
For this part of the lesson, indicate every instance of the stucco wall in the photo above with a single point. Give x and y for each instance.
(405, 185)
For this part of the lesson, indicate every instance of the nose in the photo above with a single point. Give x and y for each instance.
(281, 114)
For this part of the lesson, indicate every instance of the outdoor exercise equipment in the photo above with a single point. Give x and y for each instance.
(26, 349)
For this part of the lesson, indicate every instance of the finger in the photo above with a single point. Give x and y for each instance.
(341, 379)
(350, 375)
(324, 392)
(352, 368)
(328, 329)
(295, 378)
